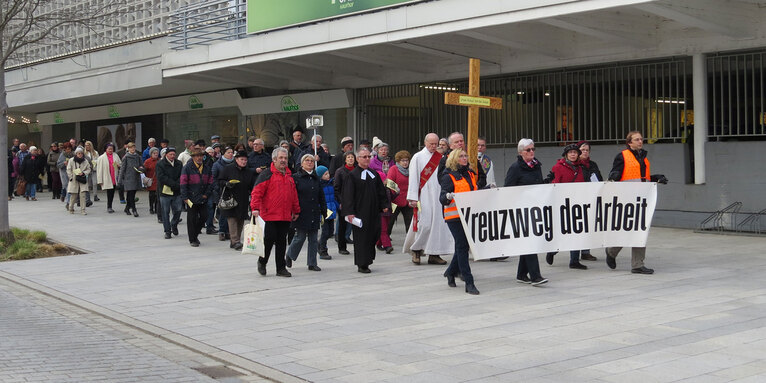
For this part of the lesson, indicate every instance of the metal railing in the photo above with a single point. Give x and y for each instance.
(753, 222)
(208, 22)
(737, 88)
(717, 221)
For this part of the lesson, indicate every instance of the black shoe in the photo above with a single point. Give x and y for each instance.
(159, 220)
(175, 230)
(135, 212)
(221, 237)
(588, 257)
(194, 244)
(288, 261)
(471, 289)
(110, 210)
(578, 266)
(344, 252)
(450, 280)
(227, 236)
(389, 250)
(611, 261)
(152, 212)
(539, 281)
(283, 273)
(349, 241)
(325, 256)
(497, 259)
(549, 258)
(238, 246)
(96, 199)
(261, 267)
(523, 279)
(363, 270)
(381, 248)
(314, 268)
(167, 236)
(211, 231)
(127, 211)
(88, 203)
(436, 260)
(642, 270)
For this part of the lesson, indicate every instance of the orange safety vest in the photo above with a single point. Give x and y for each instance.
(632, 169)
(461, 185)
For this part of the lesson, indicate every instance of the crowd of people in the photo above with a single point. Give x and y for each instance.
(305, 195)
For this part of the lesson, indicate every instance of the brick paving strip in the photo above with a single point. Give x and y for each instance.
(48, 336)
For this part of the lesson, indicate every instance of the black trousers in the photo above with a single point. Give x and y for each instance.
(195, 220)
(109, 198)
(342, 224)
(131, 200)
(275, 235)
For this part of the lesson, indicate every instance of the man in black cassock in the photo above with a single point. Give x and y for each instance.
(364, 197)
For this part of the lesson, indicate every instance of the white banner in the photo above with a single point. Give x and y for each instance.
(533, 219)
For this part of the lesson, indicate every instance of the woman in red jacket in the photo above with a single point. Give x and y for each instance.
(569, 169)
(400, 173)
(150, 166)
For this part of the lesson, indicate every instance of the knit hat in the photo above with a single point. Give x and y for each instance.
(32, 148)
(376, 141)
(571, 147)
(346, 140)
(321, 170)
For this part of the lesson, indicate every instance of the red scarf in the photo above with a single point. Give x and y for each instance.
(349, 167)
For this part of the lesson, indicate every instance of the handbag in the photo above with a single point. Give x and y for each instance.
(21, 187)
(252, 236)
(81, 178)
(226, 203)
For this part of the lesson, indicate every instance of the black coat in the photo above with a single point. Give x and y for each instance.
(591, 167)
(258, 160)
(240, 191)
(521, 174)
(31, 168)
(341, 176)
(169, 175)
(311, 199)
(324, 157)
(365, 199)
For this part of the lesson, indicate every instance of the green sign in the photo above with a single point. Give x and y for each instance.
(57, 119)
(113, 113)
(264, 15)
(195, 103)
(289, 104)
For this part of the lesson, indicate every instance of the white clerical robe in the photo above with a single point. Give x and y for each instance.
(433, 235)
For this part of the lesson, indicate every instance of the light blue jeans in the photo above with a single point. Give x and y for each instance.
(297, 244)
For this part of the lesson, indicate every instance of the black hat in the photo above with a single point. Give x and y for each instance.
(241, 153)
(216, 145)
(170, 149)
(571, 147)
(215, 137)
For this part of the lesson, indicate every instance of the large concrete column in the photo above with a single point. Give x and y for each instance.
(699, 77)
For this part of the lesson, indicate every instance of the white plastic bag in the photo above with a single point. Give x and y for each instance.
(252, 241)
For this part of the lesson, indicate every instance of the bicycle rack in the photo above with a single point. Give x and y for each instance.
(717, 218)
(754, 221)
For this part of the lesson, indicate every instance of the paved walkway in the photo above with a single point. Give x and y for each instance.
(701, 317)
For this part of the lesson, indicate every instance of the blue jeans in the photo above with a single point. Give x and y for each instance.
(459, 263)
(211, 205)
(297, 244)
(327, 230)
(30, 190)
(223, 224)
(169, 203)
(574, 257)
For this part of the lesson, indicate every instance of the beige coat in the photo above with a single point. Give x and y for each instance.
(75, 187)
(103, 176)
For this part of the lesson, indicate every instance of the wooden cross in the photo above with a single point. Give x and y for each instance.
(473, 101)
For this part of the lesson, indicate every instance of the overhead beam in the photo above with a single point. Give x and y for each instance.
(263, 81)
(733, 30)
(381, 61)
(596, 33)
(442, 53)
(526, 47)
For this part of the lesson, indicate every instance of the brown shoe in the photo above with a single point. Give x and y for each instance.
(416, 257)
(588, 257)
(436, 260)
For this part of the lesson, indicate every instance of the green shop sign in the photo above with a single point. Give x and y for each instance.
(264, 15)
(195, 103)
(57, 119)
(113, 113)
(289, 104)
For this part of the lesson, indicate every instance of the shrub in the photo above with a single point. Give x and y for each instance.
(38, 236)
(22, 249)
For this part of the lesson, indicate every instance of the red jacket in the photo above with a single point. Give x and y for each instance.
(150, 166)
(565, 172)
(403, 183)
(275, 196)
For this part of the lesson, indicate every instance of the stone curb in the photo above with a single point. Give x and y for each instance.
(196, 346)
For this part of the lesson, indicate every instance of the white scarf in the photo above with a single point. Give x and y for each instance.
(365, 172)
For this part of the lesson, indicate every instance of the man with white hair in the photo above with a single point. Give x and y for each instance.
(150, 144)
(428, 233)
(321, 157)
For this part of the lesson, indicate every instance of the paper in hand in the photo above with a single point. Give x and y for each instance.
(167, 190)
(356, 222)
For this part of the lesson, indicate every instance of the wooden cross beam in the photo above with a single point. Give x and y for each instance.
(473, 101)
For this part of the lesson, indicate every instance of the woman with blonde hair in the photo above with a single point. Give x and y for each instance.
(92, 156)
(458, 178)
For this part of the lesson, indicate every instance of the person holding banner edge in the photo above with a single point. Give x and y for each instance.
(458, 178)
(526, 171)
(592, 174)
(632, 164)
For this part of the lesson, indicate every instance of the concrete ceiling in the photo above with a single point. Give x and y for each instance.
(561, 34)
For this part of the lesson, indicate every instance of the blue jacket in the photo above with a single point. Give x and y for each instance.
(329, 197)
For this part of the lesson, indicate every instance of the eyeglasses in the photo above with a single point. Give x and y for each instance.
(308, 160)
(529, 150)
(365, 156)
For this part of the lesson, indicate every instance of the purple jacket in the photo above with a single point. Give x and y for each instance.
(377, 165)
